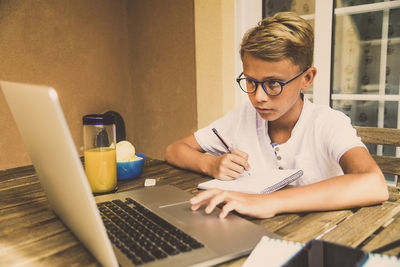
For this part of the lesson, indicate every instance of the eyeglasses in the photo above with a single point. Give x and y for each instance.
(271, 87)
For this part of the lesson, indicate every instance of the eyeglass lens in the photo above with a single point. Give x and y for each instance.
(250, 86)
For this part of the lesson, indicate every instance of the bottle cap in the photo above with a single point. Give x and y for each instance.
(98, 119)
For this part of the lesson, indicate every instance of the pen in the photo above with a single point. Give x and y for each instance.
(225, 144)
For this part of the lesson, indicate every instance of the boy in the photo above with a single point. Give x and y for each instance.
(281, 129)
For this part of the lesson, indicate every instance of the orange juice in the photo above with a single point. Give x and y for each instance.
(101, 169)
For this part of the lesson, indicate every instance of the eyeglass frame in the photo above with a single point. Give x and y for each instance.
(281, 83)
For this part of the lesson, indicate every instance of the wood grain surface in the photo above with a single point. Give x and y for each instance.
(32, 235)
(382, 136)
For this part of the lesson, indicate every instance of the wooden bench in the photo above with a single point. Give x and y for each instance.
(383, 136)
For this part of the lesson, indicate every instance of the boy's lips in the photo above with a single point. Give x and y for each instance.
(264, 110)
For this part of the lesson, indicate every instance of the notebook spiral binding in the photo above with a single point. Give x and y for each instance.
(283, 183)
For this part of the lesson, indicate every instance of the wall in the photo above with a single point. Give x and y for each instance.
(134, 57)
(215, 58)
(162, 60)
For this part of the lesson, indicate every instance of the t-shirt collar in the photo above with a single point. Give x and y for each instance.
(304, 112)
(306, 109)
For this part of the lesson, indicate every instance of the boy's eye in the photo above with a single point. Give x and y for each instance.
(272, 84)
(250, 83)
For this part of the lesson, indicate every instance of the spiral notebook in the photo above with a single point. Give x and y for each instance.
(277, 252)
(269, 182)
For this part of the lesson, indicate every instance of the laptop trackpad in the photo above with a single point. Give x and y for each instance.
(209, 228)
(182, 212)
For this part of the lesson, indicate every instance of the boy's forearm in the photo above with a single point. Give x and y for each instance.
(184, 156)
(340, 192)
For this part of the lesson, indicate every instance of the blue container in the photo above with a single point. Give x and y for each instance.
(130, 169)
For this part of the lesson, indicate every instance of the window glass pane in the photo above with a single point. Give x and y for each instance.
(301, 7)
(344, 3)
(391, 114)
(365, 113)
(362, 113)
(393, 54)
(357, 52)
(394, 23)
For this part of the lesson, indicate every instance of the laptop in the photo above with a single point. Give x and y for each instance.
(209, 240)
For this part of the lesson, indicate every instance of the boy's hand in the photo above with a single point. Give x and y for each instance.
(256, 205)
(230, 165)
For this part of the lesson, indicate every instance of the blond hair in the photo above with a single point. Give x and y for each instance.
(283, 36)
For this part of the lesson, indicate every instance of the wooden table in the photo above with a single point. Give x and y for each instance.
(31, 235)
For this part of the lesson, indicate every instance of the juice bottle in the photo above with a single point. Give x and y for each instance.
(99, 152)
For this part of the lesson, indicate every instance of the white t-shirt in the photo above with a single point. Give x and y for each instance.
(318, 140)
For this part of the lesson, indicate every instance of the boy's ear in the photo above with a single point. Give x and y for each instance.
(309, 77)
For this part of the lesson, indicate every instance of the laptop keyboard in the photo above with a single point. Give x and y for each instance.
(142, 235)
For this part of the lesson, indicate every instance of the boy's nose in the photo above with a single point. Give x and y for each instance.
(260, 94)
